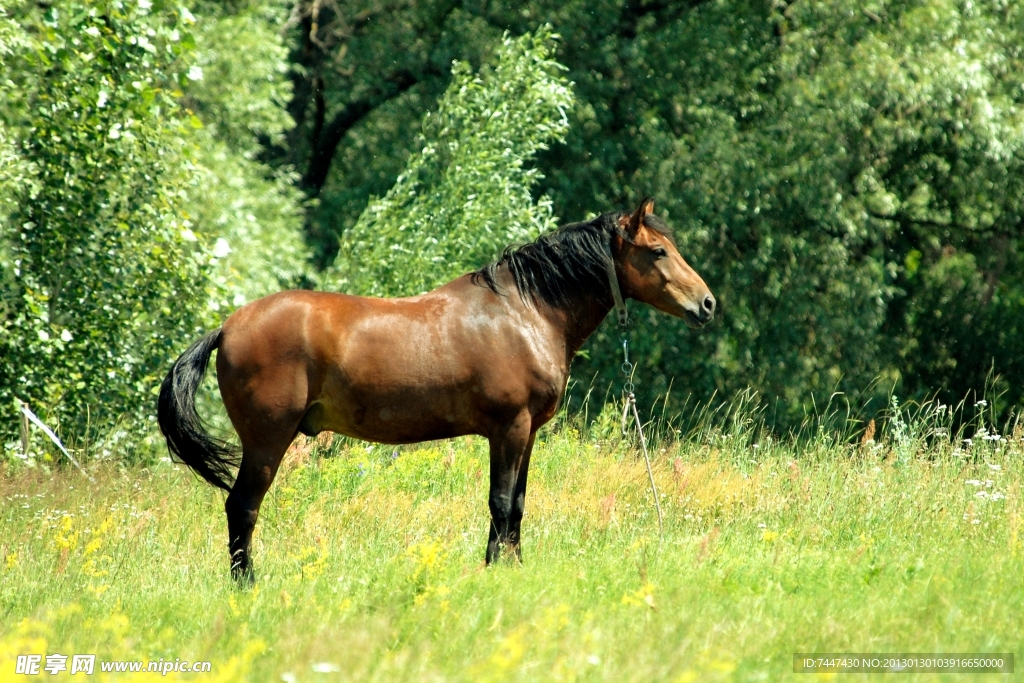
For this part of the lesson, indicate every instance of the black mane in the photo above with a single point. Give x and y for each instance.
(560, 266)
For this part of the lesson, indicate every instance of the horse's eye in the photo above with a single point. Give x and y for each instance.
(660, 252)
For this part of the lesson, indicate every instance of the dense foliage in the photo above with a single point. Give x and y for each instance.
(466, 194)
(849, 179)
(99, 282)
(133, 206)
(845, 175)
(253, 212)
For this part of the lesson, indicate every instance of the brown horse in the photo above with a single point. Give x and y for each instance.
(487, 354)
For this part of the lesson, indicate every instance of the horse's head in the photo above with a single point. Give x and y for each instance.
(652, 270)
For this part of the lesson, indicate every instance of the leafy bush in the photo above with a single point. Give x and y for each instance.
(99, 284)
(466, 194)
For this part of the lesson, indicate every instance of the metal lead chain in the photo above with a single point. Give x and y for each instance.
(627, 367)
(627, 384)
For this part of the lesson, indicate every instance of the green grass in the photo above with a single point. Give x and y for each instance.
(372, 564)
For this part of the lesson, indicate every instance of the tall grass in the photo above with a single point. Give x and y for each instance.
(369, 558)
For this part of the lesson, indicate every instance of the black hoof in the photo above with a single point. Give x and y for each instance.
(506, 553)
(243, 575)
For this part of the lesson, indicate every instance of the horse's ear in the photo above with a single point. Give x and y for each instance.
(632, 227)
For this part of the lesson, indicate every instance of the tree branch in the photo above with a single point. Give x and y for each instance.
(1000, 244)
(326, 143)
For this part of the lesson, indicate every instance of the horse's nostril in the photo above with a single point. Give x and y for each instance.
(709, 304)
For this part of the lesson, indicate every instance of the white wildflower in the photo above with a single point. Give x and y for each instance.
(221, 248)
(325, 667)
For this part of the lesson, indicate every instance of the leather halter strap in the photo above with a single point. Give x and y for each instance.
(613, 280)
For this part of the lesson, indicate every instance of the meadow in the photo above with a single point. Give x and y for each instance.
(369, 559)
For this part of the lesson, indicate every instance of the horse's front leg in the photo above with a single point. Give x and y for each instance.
(509, 445)
(515, 540)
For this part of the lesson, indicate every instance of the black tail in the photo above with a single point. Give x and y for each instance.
(210, 458)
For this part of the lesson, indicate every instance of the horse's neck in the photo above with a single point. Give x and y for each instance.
(574, 322)
(581, 319)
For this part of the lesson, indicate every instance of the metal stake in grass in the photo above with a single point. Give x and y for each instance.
(630, 405)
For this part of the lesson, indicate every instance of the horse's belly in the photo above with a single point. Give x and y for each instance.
(398, 414)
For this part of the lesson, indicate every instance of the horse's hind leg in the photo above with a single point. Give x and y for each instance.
(259, 465)
(265, 405)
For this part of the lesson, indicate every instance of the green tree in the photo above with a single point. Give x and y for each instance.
(828, 179)
(466, 194)
(99, 284)
(13, 172)
(846, 176)
(250, 213)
